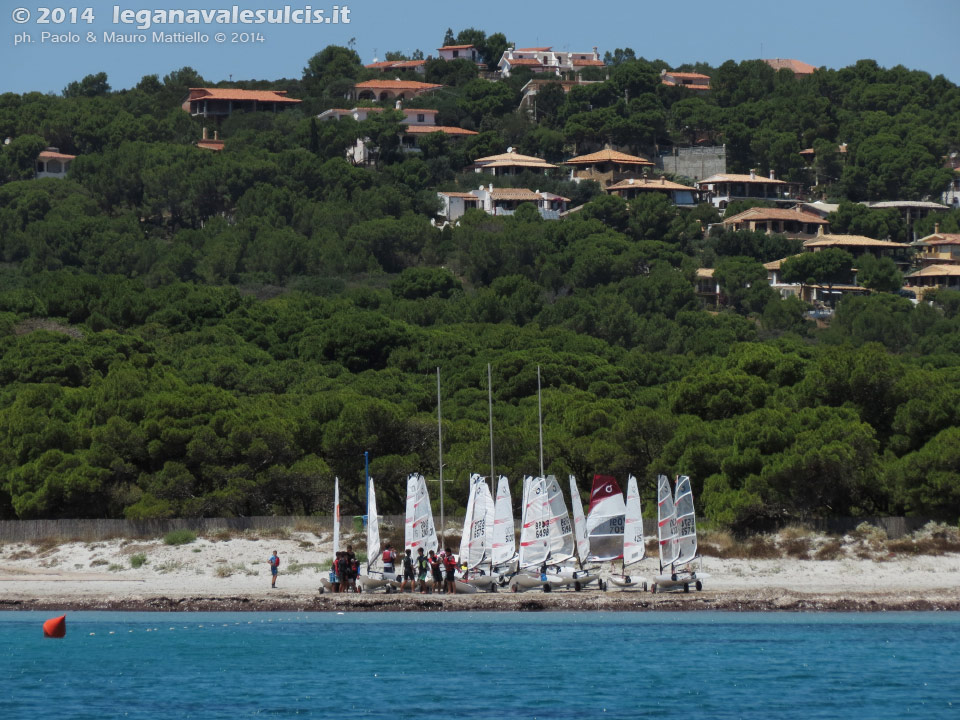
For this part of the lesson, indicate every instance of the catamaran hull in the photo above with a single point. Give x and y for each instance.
(627, 582)
(682, 581)
(368, 584)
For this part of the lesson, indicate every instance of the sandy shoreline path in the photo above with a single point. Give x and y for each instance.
(232, 574)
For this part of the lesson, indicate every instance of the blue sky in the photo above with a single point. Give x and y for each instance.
(920, 34)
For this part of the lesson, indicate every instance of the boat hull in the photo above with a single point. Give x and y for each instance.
(629, 582)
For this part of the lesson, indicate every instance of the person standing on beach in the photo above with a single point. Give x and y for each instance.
(423, 567)
(408, 575)
(274, 568)
(434, 560)
(351, 568)
(450, 564)
(389, 558)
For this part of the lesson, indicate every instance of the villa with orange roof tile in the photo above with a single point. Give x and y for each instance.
(689, 80)
(390, 90)
(606, 166)
(221, 102)
(51, 163)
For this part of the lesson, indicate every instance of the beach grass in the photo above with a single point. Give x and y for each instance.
(179, 537)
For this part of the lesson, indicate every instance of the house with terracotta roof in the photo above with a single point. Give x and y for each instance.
(723, 188)
(910, 210)
(793, 222)
(797, 67)
(938, 248)
(606, 166)
(390, 90)
(689, 80)
(418, 66)
(417, 123)
(547, 60)
(933, 277)
(222, 102)
(858, 246)
(680, 195)
(501, 201)
(460, 52)
(511, 163)
(51, 163)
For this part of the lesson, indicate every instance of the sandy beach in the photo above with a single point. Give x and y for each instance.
(231, 573)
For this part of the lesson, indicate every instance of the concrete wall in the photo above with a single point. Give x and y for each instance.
(694, 162)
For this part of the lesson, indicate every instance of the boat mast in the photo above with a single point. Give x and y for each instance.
(493, 478)
(443, 539)
(366, 472)
(540, 419)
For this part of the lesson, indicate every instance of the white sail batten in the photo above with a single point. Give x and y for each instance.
(605, 519)
(534, 530)
(634, 548)
(336, 516)
(504, 532)
(667, 529)
(374, 561)
(579, 521)
(419, 530)
(562, 543)
(686, 521)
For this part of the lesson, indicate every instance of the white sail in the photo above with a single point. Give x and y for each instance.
(579, 521)
(667, 530)
(374, 561)
(686, 521)
(336, 516)
(534, 531)
(634, 549)
(504, 532)
(561, 529)
(476, 543)
(605, 521)
(418, 528)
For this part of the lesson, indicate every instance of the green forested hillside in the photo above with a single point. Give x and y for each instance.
(184, 332)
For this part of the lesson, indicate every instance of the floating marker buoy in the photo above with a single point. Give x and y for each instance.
(55, 627)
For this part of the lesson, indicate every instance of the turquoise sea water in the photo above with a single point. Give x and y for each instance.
(483, 665)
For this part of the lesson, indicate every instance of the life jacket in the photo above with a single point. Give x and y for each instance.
(449, 562)
(388, 557)
(422, 563)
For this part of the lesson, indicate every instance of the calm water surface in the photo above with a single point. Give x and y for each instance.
(483, 665)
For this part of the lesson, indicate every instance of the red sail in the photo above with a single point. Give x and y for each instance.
(604, 486)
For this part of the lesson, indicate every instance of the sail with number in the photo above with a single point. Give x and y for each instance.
(605, 519)
(686, 521)
(579, 521)
(476, 544)
(336, 516)
(534, 530)
(418, 528)
(634, 549)
(504, 532)
(667, 528)
(561, 528)
(374, 560)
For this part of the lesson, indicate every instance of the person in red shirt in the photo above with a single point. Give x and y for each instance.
(450, 565)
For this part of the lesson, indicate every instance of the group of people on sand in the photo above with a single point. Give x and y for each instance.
(346, 567)
(415, 572)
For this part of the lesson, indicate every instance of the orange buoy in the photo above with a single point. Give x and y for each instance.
(55, 627)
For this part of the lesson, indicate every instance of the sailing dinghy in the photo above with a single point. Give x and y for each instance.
(681, 538)
(504, 533)
(375, 576)
(476, 545)
(634, 547)
(534, 538)
(326, 583)
(582, 576)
